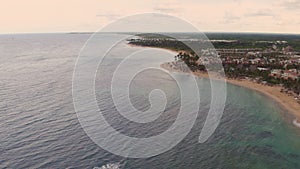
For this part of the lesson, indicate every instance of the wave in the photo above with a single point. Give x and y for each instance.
(109, 166)
(296, 123)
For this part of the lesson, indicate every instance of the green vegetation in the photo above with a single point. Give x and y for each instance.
(239, 40)
(252, 56)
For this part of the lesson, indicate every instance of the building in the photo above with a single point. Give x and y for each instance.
(290, 75)
(277, 73)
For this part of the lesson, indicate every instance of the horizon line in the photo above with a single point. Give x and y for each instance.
(91, 32)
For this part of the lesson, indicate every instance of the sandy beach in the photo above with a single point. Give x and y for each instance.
(274, 92)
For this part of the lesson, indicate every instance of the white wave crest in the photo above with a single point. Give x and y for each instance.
(109, 166)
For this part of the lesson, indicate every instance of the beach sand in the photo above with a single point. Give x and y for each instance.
(274, 92)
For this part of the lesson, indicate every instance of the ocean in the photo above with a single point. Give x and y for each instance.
(39, 127)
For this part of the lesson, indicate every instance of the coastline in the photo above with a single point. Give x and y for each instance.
(150, 47)
(273, 92)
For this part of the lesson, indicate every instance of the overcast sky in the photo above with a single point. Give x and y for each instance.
(39, 16)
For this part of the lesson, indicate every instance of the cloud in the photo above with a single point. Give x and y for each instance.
(164, 10)
(108, 16)
(168, 6)
(260, 13)
(230, 18)
(292, 4)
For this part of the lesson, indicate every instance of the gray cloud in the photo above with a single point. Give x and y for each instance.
(164, 10)
(260, 13)
(292, 4)
(108, 16)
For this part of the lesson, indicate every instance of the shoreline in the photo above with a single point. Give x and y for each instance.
(273, 92)
(287, 102)
(170, 50)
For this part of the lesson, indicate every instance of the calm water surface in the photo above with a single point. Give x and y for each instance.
(39, 127)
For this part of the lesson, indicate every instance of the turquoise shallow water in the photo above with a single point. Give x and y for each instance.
(39, 127)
